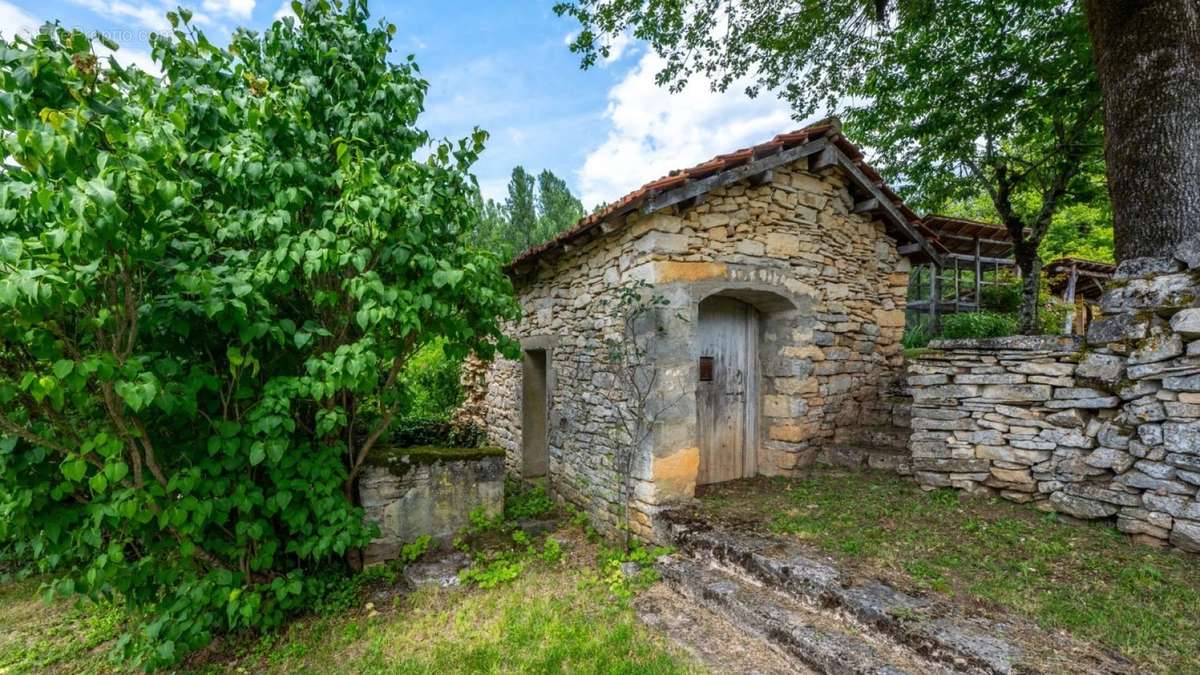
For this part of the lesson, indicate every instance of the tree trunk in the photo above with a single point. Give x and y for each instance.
(1031, 284)
(1147, 55)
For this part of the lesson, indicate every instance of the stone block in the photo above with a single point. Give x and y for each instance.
(1144, 267)
(1078, 392)
(1184, 383)
(1046, 368)
(1144, 411)
(1178, 506)
(662, 242)
(750, 247)
(1130, 525)
(1099, 492)
(1106, 368)
(1163, 347)
(1117, 328)
(945, 391)
(778, 405)
(782, 244)
(1067, 437)
(1182, 461)
(1118, 461)
(1150, 434)
(1085, 403)
(997, 378)
(1018, 476)
(1181, 437)
(1153, 293)
(1081, 507)
(1003, 453)
(1072, 419)
(1015, 392)
(950, 465)
(1186, 535)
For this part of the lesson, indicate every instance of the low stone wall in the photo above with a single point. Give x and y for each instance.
(1107, 427)
(411, 492)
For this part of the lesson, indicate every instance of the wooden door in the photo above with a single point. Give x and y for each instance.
(725, 390)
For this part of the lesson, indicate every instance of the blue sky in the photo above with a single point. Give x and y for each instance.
(502, 66)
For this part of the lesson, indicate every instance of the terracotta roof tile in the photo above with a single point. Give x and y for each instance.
(826, 128)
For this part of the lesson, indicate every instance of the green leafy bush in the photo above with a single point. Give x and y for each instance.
(209, 285)
(430, 383)
(977, 325)
(1004, 298)
(525, 501)
(413, 433)
(916, 334)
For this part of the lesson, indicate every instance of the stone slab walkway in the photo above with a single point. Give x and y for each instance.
(822, 620)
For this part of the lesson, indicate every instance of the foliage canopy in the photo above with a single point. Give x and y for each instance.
(209, 284)
(534, 212)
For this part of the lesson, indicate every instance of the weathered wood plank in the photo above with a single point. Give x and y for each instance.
(866, 206)
(754, 168)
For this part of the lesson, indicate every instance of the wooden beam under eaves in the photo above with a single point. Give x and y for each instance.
(765, 178)
(692, 189)
(866, 206)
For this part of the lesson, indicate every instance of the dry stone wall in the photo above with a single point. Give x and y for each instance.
(1102, 428)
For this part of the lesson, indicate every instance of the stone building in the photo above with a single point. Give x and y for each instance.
(780, 273)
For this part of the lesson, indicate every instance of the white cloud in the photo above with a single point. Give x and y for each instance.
(494, 188)
(146, 14)
(654, 131)
(617, 47)
(14, 21)
(285, 10)
(238, 9)
(152, 14)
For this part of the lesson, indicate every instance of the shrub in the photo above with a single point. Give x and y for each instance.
(916, 334)
(209, 285)
(1004, 298)
(978, 325)
(430, 383)
(413, 433)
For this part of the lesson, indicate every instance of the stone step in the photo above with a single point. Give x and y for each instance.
(812, 639)
(935, 631)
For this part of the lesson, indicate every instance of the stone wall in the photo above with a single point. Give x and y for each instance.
(427, 491)
(1107, 427)
(829, 286)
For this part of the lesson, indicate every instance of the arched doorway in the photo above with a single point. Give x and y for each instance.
(727, 389)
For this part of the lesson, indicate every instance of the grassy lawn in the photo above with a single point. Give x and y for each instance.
(554, 617)
(1087, 579)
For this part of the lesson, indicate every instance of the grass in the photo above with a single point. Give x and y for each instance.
(63, 636)
(555, 617)
(1087, 579)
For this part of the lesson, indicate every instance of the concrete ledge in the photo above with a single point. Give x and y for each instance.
(410, 492)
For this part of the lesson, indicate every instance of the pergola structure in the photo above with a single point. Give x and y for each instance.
(1075, 279)
(973, 256)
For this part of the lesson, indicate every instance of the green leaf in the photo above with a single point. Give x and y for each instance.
(257, 454)
(10, 249)
(63, 368)
(116, 471)
(98, 482)
(447, 278)
(74, 469)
